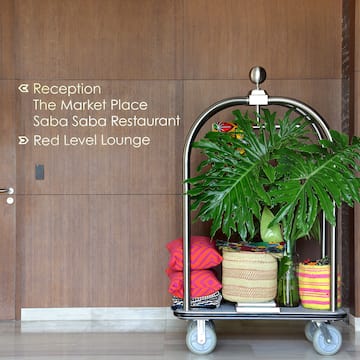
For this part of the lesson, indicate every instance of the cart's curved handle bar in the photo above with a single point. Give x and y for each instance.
(321, 129)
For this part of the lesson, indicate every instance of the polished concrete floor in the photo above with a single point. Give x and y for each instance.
(235, 340)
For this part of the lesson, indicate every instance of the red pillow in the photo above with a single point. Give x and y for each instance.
(203, 253)
(203, 283)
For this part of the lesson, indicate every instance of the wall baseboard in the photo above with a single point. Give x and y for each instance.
(124, 319)
(96, 313)
(355, 322)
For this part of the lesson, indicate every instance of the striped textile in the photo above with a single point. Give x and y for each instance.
(203, 253)
(211, 301)
(314, 286)
(248, 276)
(202, 283)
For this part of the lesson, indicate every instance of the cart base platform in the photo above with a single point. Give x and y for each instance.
(227, 311)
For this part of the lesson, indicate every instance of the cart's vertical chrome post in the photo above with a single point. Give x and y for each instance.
(186, 224)
(333, 267)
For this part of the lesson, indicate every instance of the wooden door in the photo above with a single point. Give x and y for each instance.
(8, 203)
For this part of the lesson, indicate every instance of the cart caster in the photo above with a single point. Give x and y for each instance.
(201, 337)
(327, 340)
(193, 324)
(310, 329)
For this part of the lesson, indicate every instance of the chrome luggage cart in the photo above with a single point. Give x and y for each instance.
(201, 336)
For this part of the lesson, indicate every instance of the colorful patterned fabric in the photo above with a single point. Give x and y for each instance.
(203, 253)
(202, 283)
(314, 286)
(275, 248)
(211, 301)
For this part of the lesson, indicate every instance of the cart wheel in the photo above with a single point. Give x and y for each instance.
(192, 339)
(330, 347)
(310, 329)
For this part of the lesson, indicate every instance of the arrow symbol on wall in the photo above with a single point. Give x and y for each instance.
(23, 140)
(24, 88)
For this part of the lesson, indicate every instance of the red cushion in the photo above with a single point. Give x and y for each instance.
(203, 283)
(203, 253)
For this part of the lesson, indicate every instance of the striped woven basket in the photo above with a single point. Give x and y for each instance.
(248, 276)
(314, 286)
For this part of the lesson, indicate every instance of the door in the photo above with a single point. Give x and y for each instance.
(7, 201)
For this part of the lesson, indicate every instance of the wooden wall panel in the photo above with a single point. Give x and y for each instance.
(104, 169)
(92, 39)
(291, 39)
(7, 212)
(7, 163)
(97, 251)
(7, 40)
(103, 256)
(357, 37)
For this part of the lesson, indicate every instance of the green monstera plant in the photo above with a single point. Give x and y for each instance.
(275, 165)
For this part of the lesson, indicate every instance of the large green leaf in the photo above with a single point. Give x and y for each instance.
(322, 180)
(279, 166)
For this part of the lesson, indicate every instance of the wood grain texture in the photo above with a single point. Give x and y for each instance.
(7, 43)
(7, 212)
(357, 37)
(92, 39)
(105, 169)
(291, 39)
(94, 251)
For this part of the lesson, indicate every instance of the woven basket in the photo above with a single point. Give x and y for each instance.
(314, 286)
(248, 276)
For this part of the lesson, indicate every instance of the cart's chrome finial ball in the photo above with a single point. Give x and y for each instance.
(257, 75)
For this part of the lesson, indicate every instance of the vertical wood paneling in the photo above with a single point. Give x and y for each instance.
(7, 39)
(152, 169)
(103, 215)
(7, 162)
(92, 39)
(357, 37)
(105, 256)
(66, 165)
(7, 212)
(291, 39)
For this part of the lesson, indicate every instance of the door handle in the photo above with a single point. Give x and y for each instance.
(8, 191)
